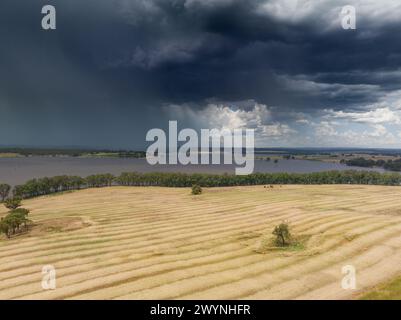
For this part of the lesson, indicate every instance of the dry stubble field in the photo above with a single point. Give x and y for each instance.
(163, 243)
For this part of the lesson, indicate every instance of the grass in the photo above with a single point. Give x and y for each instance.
(9, 155)
(267, 244)
(388, 291)
(100, 155)
(164, 243)
(59, 193)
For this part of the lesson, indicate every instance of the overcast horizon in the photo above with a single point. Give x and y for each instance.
(112, 70)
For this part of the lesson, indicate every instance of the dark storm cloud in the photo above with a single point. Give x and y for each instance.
(103, 75)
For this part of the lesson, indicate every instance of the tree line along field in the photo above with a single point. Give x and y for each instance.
(164, 243)
(50, 185)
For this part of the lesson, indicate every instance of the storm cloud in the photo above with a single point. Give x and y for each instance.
(112, 70)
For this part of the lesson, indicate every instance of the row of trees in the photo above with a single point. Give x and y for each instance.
(392, 165)
(16, 221)
(210, 180)
(43, 186)
(99, 180)
(362, 162)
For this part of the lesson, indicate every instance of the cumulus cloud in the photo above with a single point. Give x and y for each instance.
(325, 129)
(221, 116)
(230, 116)
(337, 134)
(376, 116)
(276, 130)
(303, 121)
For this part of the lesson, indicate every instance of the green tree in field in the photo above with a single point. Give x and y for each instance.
(4, 191)
(283, 235)
(196, 189)
(15, 222)
(20, 212)
(21, 216)
(12, 203)
(5, 227)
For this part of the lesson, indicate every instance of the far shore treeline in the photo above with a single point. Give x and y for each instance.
(392, 165)
(44, 186)
(56, 152)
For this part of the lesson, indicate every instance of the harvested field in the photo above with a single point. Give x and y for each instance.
(164, 243)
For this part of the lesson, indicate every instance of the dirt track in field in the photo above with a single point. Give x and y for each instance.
(163, 243)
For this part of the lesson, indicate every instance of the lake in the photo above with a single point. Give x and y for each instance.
(18, 170)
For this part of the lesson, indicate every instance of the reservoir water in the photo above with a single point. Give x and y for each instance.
(18, 170)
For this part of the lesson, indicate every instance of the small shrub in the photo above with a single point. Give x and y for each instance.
(283, 235)
(196, 189)
(12, 203)
(20, 212)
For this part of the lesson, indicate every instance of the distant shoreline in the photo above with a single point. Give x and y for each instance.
(74, 153)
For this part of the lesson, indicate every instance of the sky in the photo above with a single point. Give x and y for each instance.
(114, 69)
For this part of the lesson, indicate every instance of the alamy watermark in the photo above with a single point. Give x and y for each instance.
(48, 277)
(348, 282)
(49, 18)
(348, 20)
(212, 147)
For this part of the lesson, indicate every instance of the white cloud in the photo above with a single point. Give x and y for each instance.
(328, 133)
(376, 116)
(276, 130)
(325, 129)
(326, 13)
(222, 116)
(302, 121)
(379, 131)
(372, 128)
